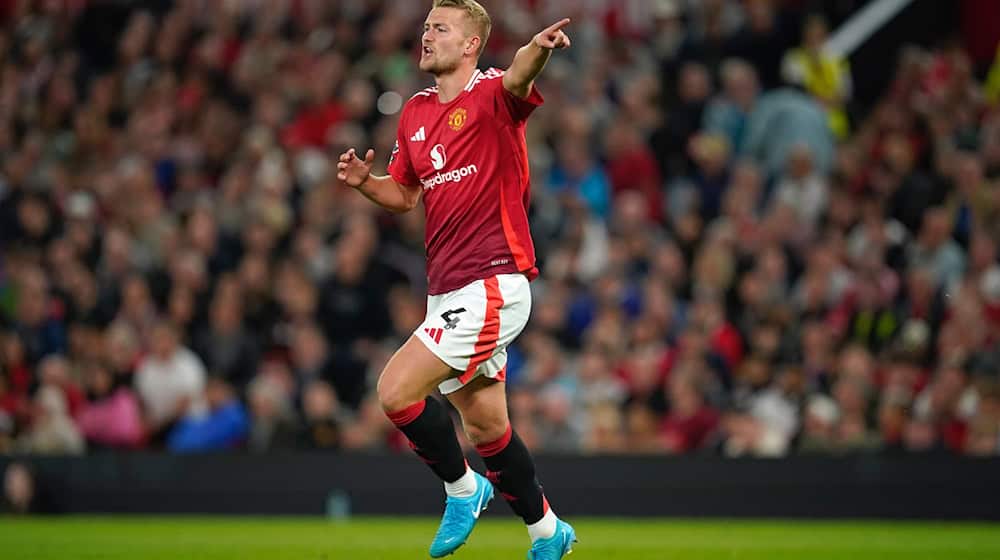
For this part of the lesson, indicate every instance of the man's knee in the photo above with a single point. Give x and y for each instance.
(481, 431)
(410, 376)
(395, 396)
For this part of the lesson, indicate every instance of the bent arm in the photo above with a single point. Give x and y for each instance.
(389, 194)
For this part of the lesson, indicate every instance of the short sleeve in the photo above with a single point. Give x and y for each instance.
(400, 164)
(507, 106)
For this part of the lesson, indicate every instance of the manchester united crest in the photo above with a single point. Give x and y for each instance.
(457, 118)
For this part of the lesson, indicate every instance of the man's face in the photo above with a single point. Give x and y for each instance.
(445, 41)
(815, 35)
(742, 88)
(164, 343)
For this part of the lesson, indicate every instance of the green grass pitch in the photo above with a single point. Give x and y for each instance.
(213, 538)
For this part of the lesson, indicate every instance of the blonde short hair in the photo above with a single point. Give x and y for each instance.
(477, 15)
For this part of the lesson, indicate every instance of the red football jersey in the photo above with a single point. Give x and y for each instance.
(471, 159)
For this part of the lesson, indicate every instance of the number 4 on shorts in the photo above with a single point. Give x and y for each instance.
(449, 318)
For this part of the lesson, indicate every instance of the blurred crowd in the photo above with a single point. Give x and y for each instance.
(735, 259)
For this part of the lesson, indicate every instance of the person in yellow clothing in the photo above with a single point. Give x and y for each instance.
(826, 76)
(993, 81)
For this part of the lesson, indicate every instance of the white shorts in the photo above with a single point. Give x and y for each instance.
(471, 327)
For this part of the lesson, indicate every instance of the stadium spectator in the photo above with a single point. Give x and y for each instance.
(225, 346)
(728, 111)
(578, 179)
(57, 372)
(312, 360)
(826, 76)
(820, 419)
(112, 417)
(782, 120)
(121, 352)
(852, 432)
(992, 86)
(320, 411)
(802, 189)
(41, 333)
(16, 383)
(633, 167)
(557, 428)
(19, 495)
(691, 421)
(273, 422)
(984, 431)
(223, 426)
(682, 119)
(52, 430)
(170, 382)
(777, 406)
(762, 41)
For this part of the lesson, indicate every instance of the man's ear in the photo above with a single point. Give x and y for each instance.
(472, 47)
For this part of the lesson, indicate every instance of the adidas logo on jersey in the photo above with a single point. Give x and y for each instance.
(420, 136)
(435, 334)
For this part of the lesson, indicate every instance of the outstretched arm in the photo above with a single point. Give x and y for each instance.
(531, 58)
(384, 191)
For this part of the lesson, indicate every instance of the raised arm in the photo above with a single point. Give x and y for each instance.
(531, 58)
(384, 191)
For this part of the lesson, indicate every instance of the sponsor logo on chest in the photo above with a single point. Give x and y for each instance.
(438, 157)
(439, 160)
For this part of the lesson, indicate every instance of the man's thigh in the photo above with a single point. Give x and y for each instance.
(412, 373)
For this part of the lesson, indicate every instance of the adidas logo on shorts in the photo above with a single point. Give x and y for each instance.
(435, 334)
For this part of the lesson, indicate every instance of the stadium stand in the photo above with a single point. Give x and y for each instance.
(737, 257)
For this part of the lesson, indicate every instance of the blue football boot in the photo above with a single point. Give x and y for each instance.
(555, 547)
(460, 516)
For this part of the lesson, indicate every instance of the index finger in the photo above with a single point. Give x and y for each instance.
(557, 25)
